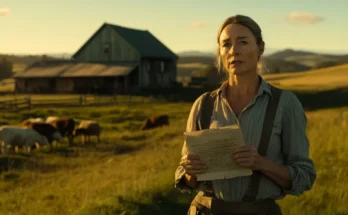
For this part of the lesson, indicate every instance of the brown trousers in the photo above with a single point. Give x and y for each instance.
(203, 205)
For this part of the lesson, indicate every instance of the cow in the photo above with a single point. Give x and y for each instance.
(88, 128)
(31, 120)
(47, 130)
(15, 136)
(51, 119)
(155, 121)
(65, 126)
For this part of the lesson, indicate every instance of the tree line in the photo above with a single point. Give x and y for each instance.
(6, 67)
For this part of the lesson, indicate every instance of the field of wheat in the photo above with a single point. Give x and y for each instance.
(132, 172)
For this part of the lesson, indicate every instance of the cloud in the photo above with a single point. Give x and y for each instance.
(5, 11)
(304, 18)
(197, 25)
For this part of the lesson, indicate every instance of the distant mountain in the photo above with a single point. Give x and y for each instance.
(209, 53)
(196, 59)
(282, 55)
(280, 66)
(195, 53)
(310, 59)
(288, 60)
(24, 59)
(60, 55)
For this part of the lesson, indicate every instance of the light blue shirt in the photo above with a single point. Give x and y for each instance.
(288, 145)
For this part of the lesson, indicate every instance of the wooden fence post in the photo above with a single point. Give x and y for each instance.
(81, 100)
(130, 100)
(15, 103)
(29, 102)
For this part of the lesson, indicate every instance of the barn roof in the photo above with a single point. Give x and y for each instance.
(142, 40)
(76, 69)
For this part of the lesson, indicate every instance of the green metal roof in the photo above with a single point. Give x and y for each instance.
(142, 40)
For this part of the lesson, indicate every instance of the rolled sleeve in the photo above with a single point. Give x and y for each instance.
(180, 182)
(190, 126)
(296, 148)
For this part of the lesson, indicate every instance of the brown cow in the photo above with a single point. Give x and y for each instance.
(88, 128)
(65, 126)
(155, 121)
(45, 129)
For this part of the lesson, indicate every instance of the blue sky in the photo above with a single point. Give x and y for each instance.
(41, 26)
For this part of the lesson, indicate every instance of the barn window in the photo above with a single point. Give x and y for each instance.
(106, 49)
(162, 66)
(147, 66)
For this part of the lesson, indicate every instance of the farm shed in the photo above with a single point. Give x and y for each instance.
(114, 59)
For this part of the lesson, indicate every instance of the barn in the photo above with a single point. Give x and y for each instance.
(115, 59)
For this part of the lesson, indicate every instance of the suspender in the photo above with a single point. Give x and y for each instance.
(203, 122)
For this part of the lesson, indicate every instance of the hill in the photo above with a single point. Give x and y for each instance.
(335, 77)
(188, 64)
(24, 59)
(311, 59)
(288, 60)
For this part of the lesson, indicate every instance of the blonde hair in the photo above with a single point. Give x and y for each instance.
(252, 26)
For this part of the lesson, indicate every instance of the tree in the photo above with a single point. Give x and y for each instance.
(5, 68)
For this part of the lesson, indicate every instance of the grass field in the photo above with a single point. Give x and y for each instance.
(7, 85)
(19, 67)
(132, 172)
(314, 80)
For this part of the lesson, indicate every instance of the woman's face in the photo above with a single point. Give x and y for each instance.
(238, 50)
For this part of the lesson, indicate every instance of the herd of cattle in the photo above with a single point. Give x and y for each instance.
(35, 132)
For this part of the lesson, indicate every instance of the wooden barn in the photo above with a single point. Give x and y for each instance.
(115, 59)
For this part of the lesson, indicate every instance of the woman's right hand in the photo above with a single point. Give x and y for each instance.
(192, 164)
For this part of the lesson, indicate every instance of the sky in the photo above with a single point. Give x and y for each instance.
(41, 26)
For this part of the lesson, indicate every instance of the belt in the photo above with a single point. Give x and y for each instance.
(218, 206)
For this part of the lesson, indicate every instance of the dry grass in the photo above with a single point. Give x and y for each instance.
(19, 67)
(329, 147)
(132, 172)
(81, 178)
(122, 174)
(187, 69)
(7, 85)
(192, 65)
(318, 80)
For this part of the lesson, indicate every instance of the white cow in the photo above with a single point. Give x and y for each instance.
(36, 120)
(51, 119)
(21, 137)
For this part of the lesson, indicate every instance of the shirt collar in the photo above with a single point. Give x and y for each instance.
(264, 87)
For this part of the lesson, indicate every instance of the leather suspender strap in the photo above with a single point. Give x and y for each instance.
(203, 122)
(252, 190)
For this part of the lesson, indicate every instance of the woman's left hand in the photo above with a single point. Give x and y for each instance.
(248, 157)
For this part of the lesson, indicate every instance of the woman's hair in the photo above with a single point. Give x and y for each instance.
(252, 26)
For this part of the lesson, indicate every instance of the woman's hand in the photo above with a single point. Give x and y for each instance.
(248, 157)
(192, 164)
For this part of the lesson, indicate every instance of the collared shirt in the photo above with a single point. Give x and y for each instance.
(289, 145)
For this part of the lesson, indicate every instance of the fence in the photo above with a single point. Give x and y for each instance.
(82, 100)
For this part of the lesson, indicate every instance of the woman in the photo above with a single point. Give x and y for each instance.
(287, 167)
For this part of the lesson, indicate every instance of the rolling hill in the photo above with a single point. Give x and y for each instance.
(310, 59)
(287, 60)
(335, 77)
(24, 59)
